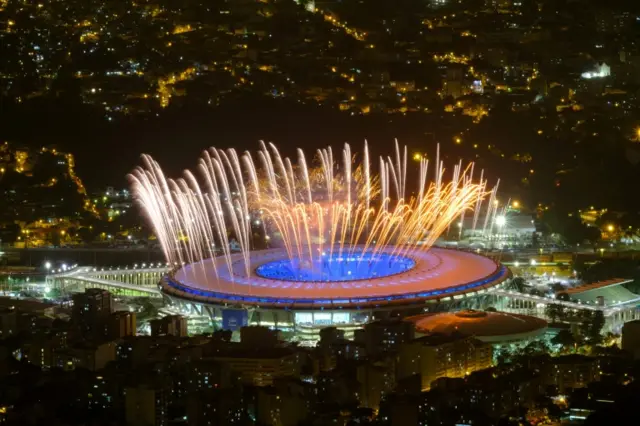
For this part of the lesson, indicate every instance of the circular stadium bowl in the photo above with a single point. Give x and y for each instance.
(277, 292)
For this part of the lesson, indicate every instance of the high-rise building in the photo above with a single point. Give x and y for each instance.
(171, 325)
(89, 356)
(435, 356)
(216, 407)
(330, 336)
(91, 311)
(385, 335)
(146, 405)
(121, 324)
(631, 338)
(376, 380)
(280, 406)
(572, 372)
(259, 367)
(8, 322)
(257, 336)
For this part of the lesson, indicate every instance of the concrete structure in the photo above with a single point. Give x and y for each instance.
(89, 356)
(308, 321)
(121, 324)
(572, 372)
(146, 405)
(171, 325)
(435, 356)
(8, 322)
(385, 335)
(437, 275)
(489, 327)
(514, 229)
(91, 310)
(261, 366)
(631, 338)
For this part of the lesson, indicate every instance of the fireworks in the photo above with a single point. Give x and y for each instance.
(336, 208)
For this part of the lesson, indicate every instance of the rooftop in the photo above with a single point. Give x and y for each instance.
(480, 324)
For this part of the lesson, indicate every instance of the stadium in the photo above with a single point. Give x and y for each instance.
(347, 241)
(289, 302)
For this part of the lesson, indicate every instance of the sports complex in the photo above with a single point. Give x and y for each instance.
(343, 290)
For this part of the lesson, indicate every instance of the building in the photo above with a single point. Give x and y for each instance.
(281, 405)
(258, 336)
(216, 407)
(510, 229)
(435, 356)
(121, 324)
(171, 325)
(89, 356)
(206, 374)
(488, 327)
(347, 305)
(631, 338)
(572, 372)
(376, 380)
(8, 322)
(259, 366)
(330, 336)
(91, 310)
(146, 405)
(41, 349)
(385, 335)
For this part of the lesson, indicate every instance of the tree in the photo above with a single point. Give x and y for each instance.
(565, 339)
(54, 293)
(593, 235)
(148, 311)
(536, 347)
(54, 238)
(593, 329)
(86, 235)
(536, 292)
(518, 284)
(9, 233)
(535, 240)
(554, 311)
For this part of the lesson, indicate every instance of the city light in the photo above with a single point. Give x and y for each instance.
(501, 220)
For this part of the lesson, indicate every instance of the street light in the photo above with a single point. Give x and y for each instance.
(47, 265)
(501, 220)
